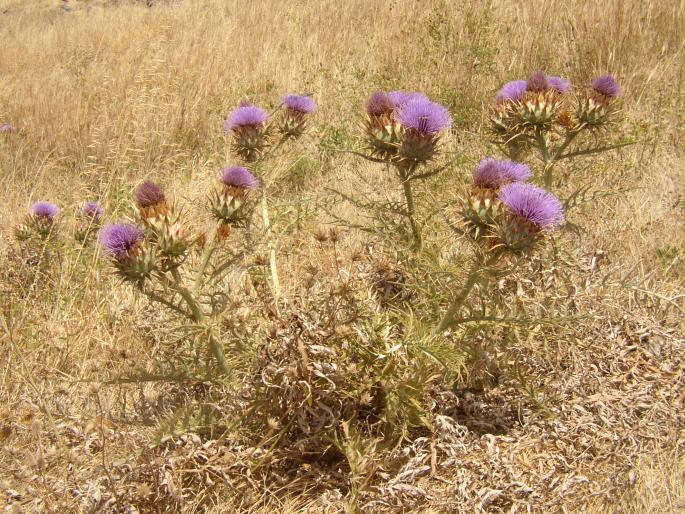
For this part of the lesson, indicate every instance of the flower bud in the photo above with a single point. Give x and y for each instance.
(230, 202)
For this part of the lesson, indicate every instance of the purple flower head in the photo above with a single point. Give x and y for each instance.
(118, 239)
(423, 116)
(300, 103)
(538, 82)
(379, 103)
(92, 210)
(46, 210)
(512, 91)
(607, 86)
(240, 177)
(149, 194)
(559, 84)
(494, 173)
(399, 98)
(534, 204)
(246, 115)
(6, 127)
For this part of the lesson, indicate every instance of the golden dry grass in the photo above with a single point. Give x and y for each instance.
(108, 93)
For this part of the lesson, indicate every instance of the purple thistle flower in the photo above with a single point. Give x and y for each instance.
(512, 91)
(149, 194)
(607, 86)
(300, 103)
(534, 204)
(92, 210)
(399, 98)
(46, 210)
(494, 173)
(559, 84)
(6, 127)
(538, 82)
(245, 115)
(240, 177)
(423, 116)
(120, 238)
(379, 103)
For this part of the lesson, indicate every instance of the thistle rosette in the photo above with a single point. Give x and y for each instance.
(248, 125)
(297, 108)
(530, 212)
(422, 122)
(230, 202)
(483, 206)
(598, 105)
(42, 218)
(124, 244)
(164, 225)
(88, 219)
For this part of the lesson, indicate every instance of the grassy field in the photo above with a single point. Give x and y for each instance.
(583, 415)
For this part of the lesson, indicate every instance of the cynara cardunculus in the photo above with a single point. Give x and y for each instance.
(559, 84)
(512, 91)
(124, 244)
(92, 211)
(42, 217)
(151, 202)
(46, 210)
(422, 121)
(297, 107)
(89, 217)
(239, 177)
(383, 134)
(379, 103)
(483, 206)
(531, 210)
(399, 98)
(229, 202)
(538, 82)
(247, 123)
(606, 86)
(119, 240)
(494, 173)
(6, 128)
(424, 117)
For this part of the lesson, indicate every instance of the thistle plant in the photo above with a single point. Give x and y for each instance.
(162, 258)
(547, 115)
(88, 220)
(403, 130)
(255, 138)
(39, 223)
(507, 219)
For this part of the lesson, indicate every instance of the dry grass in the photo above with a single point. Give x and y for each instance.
(108, 93)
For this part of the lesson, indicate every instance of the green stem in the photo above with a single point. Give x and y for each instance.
(448, 318)
(406, 176)
(273, 264)
(198, 316)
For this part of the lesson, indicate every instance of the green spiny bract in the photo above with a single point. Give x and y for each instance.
(383, 136)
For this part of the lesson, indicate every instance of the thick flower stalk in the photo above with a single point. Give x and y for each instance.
(88, 219)
(248, 126)
(403, 129)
